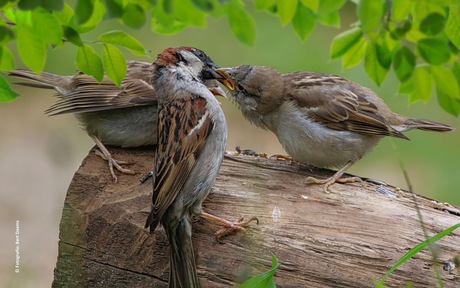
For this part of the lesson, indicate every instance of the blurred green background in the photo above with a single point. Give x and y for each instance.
(39, 154)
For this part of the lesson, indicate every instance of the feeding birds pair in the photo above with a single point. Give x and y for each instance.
(321, 119)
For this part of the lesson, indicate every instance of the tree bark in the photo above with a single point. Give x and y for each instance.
(348, 238)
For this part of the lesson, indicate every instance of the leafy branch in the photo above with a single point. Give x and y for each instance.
(420, 40)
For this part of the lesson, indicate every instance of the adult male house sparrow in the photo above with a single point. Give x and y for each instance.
(192, 137)
(124, 116)
(320, 119)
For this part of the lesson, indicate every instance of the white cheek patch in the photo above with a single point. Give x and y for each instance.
(195, 65)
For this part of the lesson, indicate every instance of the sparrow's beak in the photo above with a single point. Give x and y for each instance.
(217, 91)
(225, 78)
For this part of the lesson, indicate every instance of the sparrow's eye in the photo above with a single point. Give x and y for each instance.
(240, 87)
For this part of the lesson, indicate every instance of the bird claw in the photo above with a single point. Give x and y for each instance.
(330, 181)
(234, 228)
(117, 164)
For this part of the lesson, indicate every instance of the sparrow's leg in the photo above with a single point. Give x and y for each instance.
(334, 178)
(229, 228)
(105, 154)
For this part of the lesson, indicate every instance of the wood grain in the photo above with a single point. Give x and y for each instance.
(349, 238)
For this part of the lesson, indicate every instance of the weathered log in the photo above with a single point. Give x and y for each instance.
(349, 238)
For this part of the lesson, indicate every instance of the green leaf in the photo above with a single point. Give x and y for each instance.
(23, 18)
(286, 10)
(313, 5)
(456, 71)
(329, 6)
(72, 36)
(114, 8)
(168, 6)
(372, 66)
(407, 87)
(145, 4)
(47, 26)
(401, 29)
(404, 63)
(6, 93)
(453, 22)
(28, 4)
(432, 24)
(424, 84)
(49, 5)
(345, 41)
(264, 279)
(83, 11)
(114, 63)
(89, 62)
(331, 19)
(449, 105)
(133, 16)
(6, 35)
(370, 14)
(10, 14)
(415, 250)
(165, 23)
(96, 17)
(31, 48)
(6, 59)
(400, 9)
(65, 15)
(122, 38)
(422, 9)
(446, 83)
(204, 5)
(355, 54)
(241, 23)
(384, 55)
(264, 4)
(303, 22)
(186, 12)
(434, 51)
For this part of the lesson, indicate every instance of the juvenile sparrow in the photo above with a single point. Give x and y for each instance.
(119, 116)
(192, 137)
(320, 119)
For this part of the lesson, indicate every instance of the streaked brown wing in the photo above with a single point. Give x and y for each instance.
(338, 104)
(89, 95)
(184, 126)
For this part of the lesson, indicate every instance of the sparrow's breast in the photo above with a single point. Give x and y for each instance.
(311, 142)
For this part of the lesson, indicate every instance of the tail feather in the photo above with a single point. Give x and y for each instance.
(182, 259)
(44, 80)
(427, 125)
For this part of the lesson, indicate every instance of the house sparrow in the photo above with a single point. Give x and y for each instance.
(320, 119)
(192, 137)
(119, 116)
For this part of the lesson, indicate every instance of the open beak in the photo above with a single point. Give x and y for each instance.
(225, 79)
(217, 91)
(222, 76)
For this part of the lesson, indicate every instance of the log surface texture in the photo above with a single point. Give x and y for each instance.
(349, 238)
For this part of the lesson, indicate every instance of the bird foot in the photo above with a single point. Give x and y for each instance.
(228, 227)
(232, 228)
(330, 181)
(115, 163)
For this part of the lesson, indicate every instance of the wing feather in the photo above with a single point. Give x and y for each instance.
(89, 96)
(184, 126)
(339, 105)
